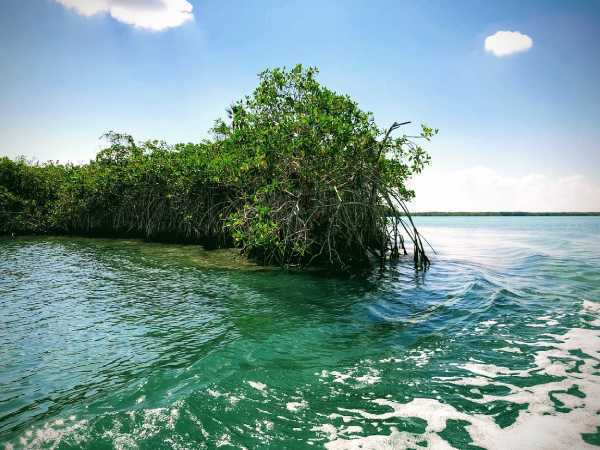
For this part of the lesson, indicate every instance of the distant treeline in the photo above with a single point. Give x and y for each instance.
(504, 213)
(296, 175)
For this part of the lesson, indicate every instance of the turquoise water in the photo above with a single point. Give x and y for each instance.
(121, 344)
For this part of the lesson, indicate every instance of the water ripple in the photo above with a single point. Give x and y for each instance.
(121, 344)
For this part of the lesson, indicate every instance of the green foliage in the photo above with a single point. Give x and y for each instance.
(314, 170)
(27, 195)
(295, 175)
(145, 189)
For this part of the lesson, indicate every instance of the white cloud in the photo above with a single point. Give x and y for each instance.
(483, 189)
(504, 43)
(155, 15)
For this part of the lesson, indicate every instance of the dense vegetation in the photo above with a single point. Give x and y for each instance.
(295, 175)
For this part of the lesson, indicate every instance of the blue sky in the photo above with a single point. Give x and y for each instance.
(516, 132)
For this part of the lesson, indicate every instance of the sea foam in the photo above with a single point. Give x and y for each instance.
(570, 360)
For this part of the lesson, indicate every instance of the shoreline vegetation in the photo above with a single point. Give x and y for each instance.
(295, 176)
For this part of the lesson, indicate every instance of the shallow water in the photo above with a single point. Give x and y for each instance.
(108, 343)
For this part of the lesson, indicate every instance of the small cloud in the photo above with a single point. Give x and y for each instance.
(155, 15)
(504, 43)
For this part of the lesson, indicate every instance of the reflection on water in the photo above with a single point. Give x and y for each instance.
(108, 343)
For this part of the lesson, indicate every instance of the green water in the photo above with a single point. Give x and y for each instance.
(121, 344)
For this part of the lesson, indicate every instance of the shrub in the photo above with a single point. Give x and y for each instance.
(296, 175)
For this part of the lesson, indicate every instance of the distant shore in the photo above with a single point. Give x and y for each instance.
(503, 213)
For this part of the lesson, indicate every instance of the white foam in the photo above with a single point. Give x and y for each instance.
(396, 440)
(591, 307)
(390, 359)
(420, 357)
(338, 377)
(263, 424)
(225, 439)
(50, 435)
(330, 431)
(156, 419)
(363, 374)
(257, 385)
(368, 379)
(213, 393)
(539, 426)
(510, 350)
(486, 370)
(345, 419)
(296, 406)
(570, 401)
(464, 381)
